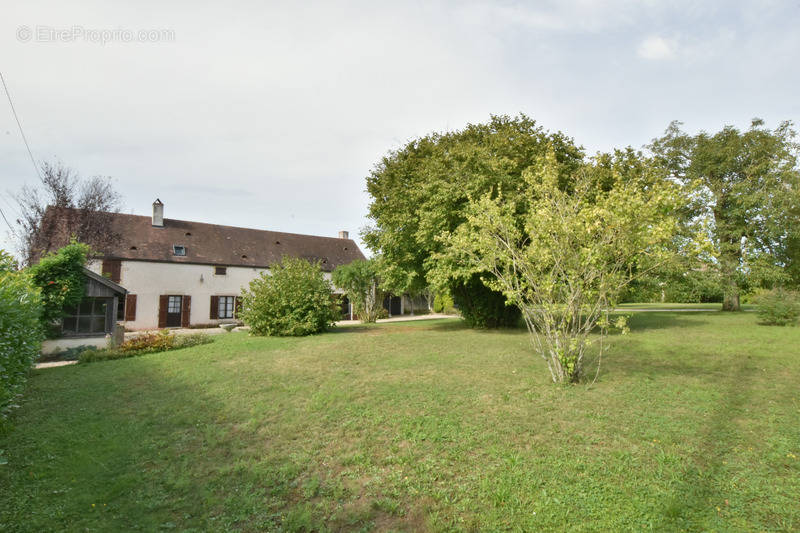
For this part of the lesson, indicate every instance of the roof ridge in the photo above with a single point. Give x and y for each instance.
(210, 224)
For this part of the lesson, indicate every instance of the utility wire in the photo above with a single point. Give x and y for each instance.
(19, 125)
(13, 231)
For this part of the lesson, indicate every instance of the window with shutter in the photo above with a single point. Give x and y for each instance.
(185, 311)
(112, 269)
(225, 306)
(214, 308)
(130, 308)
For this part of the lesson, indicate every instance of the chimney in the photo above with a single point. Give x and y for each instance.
(344, 235)
(158, 213)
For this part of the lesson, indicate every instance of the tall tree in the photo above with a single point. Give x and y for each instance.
(421, 191)
(62, 207)
(743, 187)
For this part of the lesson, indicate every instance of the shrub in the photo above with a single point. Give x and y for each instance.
(61, 280)
(482, 307)
(443, 303)
(160, 341)
(294, 300)
(778, 307)
(20, 331)
(359, 280)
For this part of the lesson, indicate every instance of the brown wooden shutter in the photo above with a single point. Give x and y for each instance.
(112, 268)
(237, 307)
(187, 307)
(163, 302)
(214, 314)
(130, 308)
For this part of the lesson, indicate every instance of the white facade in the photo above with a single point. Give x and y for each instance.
(149, 280)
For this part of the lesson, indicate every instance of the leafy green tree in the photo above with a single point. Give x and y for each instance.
(423, 189)
(743, 189)
(564, 263)
(20, 330)
(359, 280)
(60, 277)
(293, 299)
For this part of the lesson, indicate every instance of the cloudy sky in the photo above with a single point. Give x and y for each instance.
(270, 115)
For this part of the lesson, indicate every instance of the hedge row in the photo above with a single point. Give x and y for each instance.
(20, 332)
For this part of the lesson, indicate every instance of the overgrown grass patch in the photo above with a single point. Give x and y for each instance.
(692, 425)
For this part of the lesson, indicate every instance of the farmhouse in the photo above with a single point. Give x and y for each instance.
(189, 274)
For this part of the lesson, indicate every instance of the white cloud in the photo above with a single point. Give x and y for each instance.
(657, 48)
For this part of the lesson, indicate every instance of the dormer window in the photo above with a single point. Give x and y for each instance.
(177, 249)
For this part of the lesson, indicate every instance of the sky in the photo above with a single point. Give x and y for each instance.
(271, 114)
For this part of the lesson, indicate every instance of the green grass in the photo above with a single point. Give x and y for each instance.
(692, 425)
(658, 305)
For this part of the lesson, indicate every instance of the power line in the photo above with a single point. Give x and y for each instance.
(19, 125)
(7, 222)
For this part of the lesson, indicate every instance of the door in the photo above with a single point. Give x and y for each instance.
(396, 306)
(174, 306)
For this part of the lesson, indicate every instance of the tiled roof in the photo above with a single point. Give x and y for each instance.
(213, 244)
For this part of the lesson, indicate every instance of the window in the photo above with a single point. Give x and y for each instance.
(220, 271)
(178, 249)
(174, 304)
(226, 306)
(87, 318)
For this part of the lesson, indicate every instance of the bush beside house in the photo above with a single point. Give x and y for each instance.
(62, 282)
(294, 300)
(20, 331)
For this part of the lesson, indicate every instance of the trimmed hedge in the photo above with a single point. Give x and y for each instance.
(20, 332)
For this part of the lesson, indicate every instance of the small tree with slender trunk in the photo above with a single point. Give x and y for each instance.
(566, 264)
(359, 281)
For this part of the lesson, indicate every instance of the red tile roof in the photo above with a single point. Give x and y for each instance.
(213, 244)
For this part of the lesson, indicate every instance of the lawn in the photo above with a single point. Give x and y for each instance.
(659, 305)
(694, 424)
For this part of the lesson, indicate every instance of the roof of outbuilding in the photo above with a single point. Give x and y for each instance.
(102, 280)
(214, 244)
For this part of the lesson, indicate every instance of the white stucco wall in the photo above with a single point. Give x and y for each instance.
(149, 280)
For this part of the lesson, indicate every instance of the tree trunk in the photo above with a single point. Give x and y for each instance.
(731, 301)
